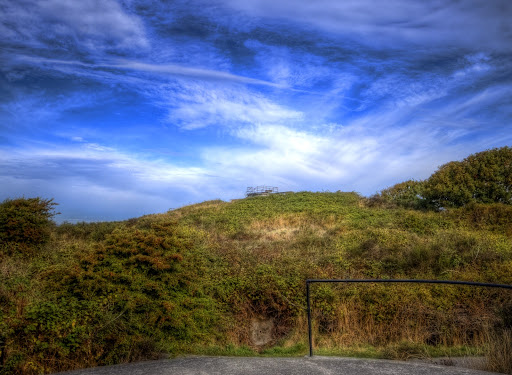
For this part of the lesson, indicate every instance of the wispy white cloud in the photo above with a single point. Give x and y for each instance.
(424, 23)
(101, 160)
(467, 109)
(397, 90)
(79, 24)
(478, 63)
(288, 66)
(199, 105)
(333, 158)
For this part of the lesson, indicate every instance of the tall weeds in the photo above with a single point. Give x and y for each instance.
(499, 352)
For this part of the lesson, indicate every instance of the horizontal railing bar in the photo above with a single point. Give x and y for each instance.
(490, 285)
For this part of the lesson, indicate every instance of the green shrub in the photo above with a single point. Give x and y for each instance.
(26, 222)
(485, 177)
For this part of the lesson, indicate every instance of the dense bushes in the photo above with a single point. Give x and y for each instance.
(25, 222)
(485, 177)
(129, 297)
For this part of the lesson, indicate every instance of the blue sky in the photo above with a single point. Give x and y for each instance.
(120, 108)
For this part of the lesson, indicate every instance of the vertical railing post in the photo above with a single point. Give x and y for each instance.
(310, 337)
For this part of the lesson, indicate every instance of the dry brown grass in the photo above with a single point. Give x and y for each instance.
(499, 354)
(349, 326)
(286, 227)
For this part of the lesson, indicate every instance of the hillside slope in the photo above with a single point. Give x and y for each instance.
(228, 277)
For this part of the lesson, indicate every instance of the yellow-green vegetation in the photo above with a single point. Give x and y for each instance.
(195, 279)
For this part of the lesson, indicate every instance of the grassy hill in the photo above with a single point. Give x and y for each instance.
(207, 278)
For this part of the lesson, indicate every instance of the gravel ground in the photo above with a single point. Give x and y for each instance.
(258, 366)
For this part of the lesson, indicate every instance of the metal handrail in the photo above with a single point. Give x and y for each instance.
(310, 281)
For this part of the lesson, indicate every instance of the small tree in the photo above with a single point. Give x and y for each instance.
(26, 221)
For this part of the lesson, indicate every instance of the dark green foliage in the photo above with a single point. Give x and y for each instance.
(485, 177)
(26, 222)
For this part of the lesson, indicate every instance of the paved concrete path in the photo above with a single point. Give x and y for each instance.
(284, 366)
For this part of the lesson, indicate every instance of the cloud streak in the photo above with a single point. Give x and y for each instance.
(204, 74)
(166, 69)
